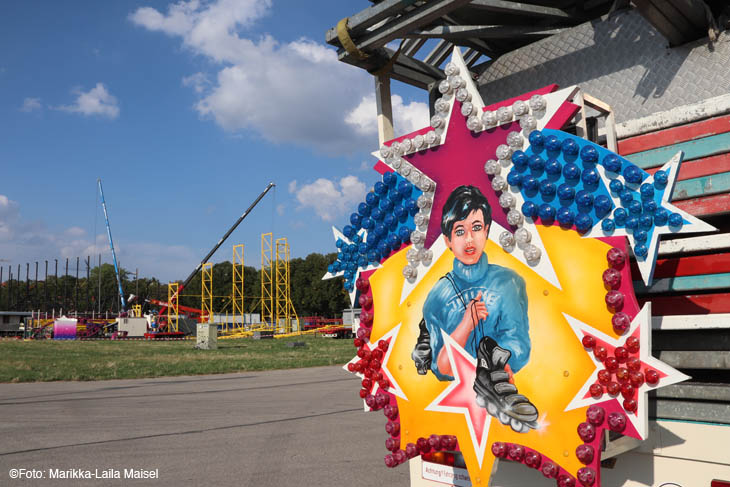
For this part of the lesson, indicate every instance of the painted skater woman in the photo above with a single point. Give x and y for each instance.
(483, 307)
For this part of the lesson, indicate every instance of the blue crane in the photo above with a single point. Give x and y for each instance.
(111, 244)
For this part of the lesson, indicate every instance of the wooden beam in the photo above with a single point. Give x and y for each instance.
(525, 9)
(707, 166)
(369, 17)
(691, 322)
(696, 305)
(675, 135)
(384, 108)
(693, 149)
(483, 32)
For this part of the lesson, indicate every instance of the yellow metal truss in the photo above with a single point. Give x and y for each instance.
(137, 310)
(206, 295)
(237, 290)
(285, 312)
(267, 294)
(172, 306)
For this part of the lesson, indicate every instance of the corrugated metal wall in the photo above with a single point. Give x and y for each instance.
(622, 60)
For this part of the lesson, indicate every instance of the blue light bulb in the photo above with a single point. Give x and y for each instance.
(348, 231)
(389, 220)
(602, 205)
(372, 199)
(405, 189)
(405, 234)
(394, 241)
(640, 236)
(590, 177)
(626, 197)
(612, 163)
(514, 178)
(647, 191)
(530, 184)
(661, 217)
(357, 238)
(616, 186)
(646, 221)
(640, 250)
(379, 229)
(584, 199)
(383, 248)
(367, 223)
(552, 143)
(620, 216)
(340, 256)
(675, 220)
(553, 167)
(635, 207)
(566, 192)
(661, 178)
(520, 160)
(412, 206)
(569, 147)
(362, 261)
(583, 222)
(571, 171)
(607, 225)
(529, 209)
(339, 243)
(546, 213)
(632, 174)
(632, 223)
(565, 216)
(373, 256)
(589, 154)
(395, 196)
(363, 209)
(390, 179)
(536, 163)
(547, 189)
(536, 139)
(650, 206)
(362, 248)
(380, 188)
(377, 214)
(355, 220)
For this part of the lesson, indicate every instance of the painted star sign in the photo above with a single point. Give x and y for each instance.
(561, 208)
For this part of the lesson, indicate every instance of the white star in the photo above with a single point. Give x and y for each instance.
(691, 224)
(671, 376)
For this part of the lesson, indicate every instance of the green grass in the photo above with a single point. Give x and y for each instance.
(49, 360)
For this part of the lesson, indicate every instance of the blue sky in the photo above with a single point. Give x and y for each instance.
(186, 111)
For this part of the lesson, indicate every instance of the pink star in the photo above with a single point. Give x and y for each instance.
(459, 396)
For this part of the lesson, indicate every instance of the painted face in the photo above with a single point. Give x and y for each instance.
(468, 238)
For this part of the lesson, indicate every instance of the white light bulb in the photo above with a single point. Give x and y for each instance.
(515, 140)
(523, 236)
(504, 114)
(423, 202)
(514, 217)
(451, 69)
(441, 105)
(537, 103)
(467, 109)
(504, 151)
(520, 108)
(425, 256)
(492, 167)
(412, 256)
(507, 200)
(489, 118)
(436, 121)
(532, 254)
(499, 183)
(528, 123)
(473, 123)
(426, 184)
(462, 94)
(405, 169)
(396, 162)
(432, 138)
(506, 239)
(420, 219)
(385, 152)
(444, 87)
(396, 149)
(415, 177)
(407, 145)
(418, 141)
(410, 272)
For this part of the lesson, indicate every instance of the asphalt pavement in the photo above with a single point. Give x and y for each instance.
(265, 429)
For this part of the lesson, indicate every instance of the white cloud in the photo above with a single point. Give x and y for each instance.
(30, 104)
(329, 199)
(96, 101)
(407, 117)
(198, 82)
(296, 92)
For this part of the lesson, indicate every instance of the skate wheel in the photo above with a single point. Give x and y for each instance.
(503, 418)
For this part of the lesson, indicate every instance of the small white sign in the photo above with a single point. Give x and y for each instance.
(458, 477)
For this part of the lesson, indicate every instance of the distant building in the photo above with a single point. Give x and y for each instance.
(12, 323)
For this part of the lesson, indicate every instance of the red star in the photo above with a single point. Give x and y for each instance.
(459, 396)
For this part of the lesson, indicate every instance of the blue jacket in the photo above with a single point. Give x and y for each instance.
(503, 291)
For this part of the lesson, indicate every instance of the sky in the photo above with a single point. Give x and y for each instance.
(186, 111)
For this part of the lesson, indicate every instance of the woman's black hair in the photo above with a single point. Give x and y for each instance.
(460, 203)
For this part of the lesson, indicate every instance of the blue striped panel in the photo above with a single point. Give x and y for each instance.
(693, 149)
(685, 283)
(704, 186)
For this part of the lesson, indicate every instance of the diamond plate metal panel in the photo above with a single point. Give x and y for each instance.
(621, 60)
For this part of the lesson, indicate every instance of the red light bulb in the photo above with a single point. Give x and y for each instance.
(390, 461)
(616, 258)
(615, 300)
(652, 377)
(499, 449)
(621, 354)
(566, 481)
(596, 390)
(423, 446)
(632, 344)
(621, 322)
(622, 374)
(586, 476)
(604, 376)
(611, 364)
(617, 422)
(411, 450)
(585, 454)
(630, 405)
(549, 470)
(612, 278)
(600, 352)
(613, 388)
(383, 345)
(516, 452)
(636, 379)
(595, 415)
(633, 364)
(587, 432)
(533, 459)
(588, 342)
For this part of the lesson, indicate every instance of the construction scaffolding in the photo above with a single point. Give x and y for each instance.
(172, 307)
(206, 295)
(267, 294)
(285, 313)
(237, 287)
